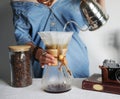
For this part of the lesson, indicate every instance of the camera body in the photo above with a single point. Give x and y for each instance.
(110, 72)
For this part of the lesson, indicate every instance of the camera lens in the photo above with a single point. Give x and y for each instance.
(117, 75)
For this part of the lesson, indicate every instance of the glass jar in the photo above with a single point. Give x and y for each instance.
(20, 63)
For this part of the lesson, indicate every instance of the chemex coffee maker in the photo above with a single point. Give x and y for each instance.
(57, 77)
(110, 72)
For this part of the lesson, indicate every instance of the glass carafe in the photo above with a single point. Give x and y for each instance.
(57, 77)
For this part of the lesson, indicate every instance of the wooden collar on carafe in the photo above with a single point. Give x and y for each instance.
(46, 2)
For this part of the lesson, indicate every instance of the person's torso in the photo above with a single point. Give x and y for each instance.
(43, 18)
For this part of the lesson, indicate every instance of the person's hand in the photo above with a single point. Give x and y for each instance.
(46, 2)
(44, 58)
(102, 3)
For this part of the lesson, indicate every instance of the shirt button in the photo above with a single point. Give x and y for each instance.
(53, 24)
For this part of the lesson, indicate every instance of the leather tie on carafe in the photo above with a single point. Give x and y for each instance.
(60, 55)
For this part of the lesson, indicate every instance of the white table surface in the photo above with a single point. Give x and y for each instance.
(34, 92)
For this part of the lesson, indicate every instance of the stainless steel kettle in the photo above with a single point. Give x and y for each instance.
(94, 14)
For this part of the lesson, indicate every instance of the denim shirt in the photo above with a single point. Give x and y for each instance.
(29, 18)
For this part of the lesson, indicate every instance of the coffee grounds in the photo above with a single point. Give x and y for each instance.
(21, 70)
(58, 88)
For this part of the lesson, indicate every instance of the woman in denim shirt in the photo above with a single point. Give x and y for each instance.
(32, 16)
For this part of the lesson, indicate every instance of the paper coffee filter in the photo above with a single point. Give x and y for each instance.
(55, 40)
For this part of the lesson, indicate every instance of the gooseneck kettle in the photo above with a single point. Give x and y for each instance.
(94, 14)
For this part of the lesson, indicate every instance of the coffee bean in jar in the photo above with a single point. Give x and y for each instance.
(20, 63)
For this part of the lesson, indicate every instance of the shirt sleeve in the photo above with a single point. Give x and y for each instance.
(21, 26)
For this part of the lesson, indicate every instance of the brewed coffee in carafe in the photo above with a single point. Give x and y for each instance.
(56, 77)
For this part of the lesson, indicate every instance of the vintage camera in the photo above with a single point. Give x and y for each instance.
(110, 71)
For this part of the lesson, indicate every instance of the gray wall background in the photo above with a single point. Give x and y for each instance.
(6, 38)
(102, 44)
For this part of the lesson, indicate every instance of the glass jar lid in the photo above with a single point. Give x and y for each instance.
(19, 48)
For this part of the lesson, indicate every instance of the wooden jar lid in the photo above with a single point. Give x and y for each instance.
(19, 48)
